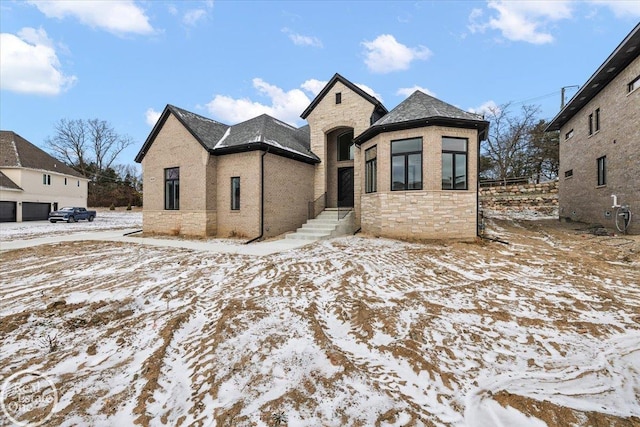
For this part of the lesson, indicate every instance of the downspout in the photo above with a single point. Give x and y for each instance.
(264, 153)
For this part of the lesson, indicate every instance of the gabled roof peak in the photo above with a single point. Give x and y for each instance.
(338, 78)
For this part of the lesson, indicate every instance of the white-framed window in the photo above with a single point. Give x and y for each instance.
(633, 85)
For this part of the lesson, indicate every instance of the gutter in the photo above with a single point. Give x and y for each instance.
(264, 153)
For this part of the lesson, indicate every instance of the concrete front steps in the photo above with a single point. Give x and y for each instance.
(325, 226)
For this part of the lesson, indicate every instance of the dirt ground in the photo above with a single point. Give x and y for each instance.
(352, 331)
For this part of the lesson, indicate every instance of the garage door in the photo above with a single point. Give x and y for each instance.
(35, 211)
(7, 211)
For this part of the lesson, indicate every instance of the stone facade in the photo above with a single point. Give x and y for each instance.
(353, 112)
(581, 198)
(430, 213)
(540, 198)
(205, 189)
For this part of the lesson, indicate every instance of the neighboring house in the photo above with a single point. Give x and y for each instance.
(408, 173)
(32, 183)
(600, 141)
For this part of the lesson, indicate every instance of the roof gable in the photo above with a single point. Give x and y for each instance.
(259, 133)
(338, 78)
(206, 131)
(15, 151)
(7, 183)
(420, 110)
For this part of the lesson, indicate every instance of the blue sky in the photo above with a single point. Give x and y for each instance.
(123, 61)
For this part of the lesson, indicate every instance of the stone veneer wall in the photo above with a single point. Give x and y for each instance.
(541, 198)
(430, 213)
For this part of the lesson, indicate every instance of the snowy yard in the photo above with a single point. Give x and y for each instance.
(105, 220)
(348, 332)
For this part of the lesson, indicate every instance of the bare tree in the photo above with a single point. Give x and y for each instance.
(508, 146)
(90, 146)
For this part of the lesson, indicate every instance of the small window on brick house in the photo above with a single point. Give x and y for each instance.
(602, 170)
(568, 134)
(568, 174)
(633, 85)
(339, 98)
(371, 170)
(235, 193)
(591, 124)
(597, 119)
(172, 189)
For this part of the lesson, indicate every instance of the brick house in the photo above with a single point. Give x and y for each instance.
(32, 183)
(600, 141)
(408, 173)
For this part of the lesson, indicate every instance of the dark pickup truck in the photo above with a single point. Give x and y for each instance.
(71, 215)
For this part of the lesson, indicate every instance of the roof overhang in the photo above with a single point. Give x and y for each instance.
(620, 58)
(481, 125)
(263, 146)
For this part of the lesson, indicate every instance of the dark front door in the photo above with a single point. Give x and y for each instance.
(345, 187)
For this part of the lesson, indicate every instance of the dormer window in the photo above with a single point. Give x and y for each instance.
(339, 98)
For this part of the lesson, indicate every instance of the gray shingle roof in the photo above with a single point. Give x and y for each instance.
(420, 110)
(16, 151)
(207, 131)
(259, 133)
(422, 106)
(5, 182)
(272, 132)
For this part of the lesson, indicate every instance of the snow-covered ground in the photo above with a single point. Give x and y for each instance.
(105, 220)
(350, 331)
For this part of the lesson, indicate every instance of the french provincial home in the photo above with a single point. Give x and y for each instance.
(408, 173)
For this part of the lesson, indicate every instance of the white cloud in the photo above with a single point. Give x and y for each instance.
(152, 116)
(486, 108)
(300, 40)
(406, 91)
(385, 54)
(191, 17)
(285, 106)
(370, 91)
(117, 17)
(29, 64)
(621, 8)
(527, 21)
(314, 86)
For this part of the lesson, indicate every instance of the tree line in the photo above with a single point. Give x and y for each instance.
(517, 146)
(91, 147)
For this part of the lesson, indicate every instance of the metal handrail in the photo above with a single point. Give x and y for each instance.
(317, 206)
(343, 210)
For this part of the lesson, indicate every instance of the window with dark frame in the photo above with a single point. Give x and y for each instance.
(406, 164)
(235, 193)
(172, 189)
(568, 134)
(597, 119)
(591, 124)
(454, 163)
(602, 171)
(338, 97)
(568, 174)
(345, 146)
(371, 170)
(65, 181)
(633, 85)
(46, 179)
